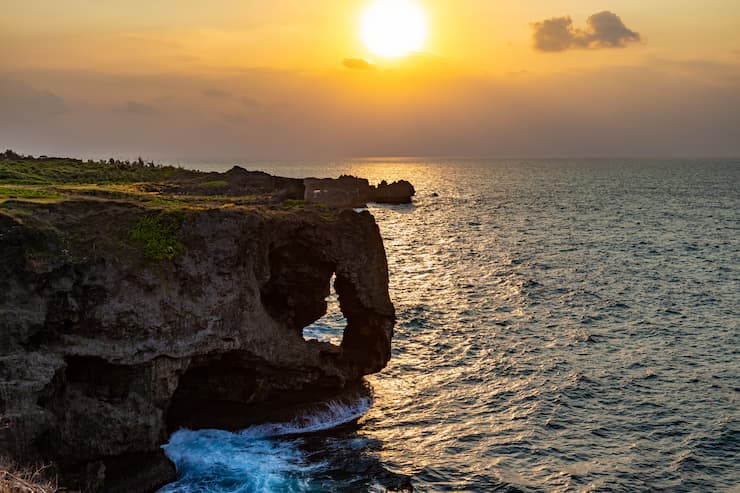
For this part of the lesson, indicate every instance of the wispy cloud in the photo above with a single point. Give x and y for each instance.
(137, 108)
(655, 107)
(358, 64)
(214, 92)
(603, 30)
(20, 100)
(248, 102)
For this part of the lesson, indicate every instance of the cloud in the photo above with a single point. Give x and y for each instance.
(650, 107)
(248, 102)
(138, 109)
(214, 92)
(358, 64)
(603, 30)
(21, 101)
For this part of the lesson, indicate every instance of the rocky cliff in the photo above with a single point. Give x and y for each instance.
(120, 323)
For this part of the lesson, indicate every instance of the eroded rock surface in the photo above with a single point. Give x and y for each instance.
(103, 351)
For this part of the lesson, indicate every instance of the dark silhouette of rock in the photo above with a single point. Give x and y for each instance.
(240, 181)
(237, 182)
(399, 192)
(350, 191)
(343, 192)
(103, 351)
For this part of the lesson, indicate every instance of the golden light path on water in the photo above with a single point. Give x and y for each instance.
(562, 326)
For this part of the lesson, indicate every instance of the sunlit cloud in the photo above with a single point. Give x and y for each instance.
(603, 30)
(358, 64)
(399, 111)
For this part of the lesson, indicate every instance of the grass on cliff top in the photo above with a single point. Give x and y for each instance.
(215, 184)
(45, 180)
(37, 181)
(20, 170)
(49, 180)
(27, 192)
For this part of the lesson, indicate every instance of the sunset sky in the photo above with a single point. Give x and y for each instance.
(187, 80)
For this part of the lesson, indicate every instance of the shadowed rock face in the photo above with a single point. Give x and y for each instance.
(103, 351)
(350, 191)
(345, 191)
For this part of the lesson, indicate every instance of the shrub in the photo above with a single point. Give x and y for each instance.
(158, 235)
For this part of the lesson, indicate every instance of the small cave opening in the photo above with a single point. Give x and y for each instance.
(213, 392)
(330, 327)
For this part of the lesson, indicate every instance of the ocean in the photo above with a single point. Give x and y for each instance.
(563, 325)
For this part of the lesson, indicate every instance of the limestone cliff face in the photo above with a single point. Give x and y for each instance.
(104, 351)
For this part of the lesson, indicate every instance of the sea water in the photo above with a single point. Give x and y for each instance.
(563, 325)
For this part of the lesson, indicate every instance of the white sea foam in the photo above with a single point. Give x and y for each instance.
(259, 458)
(323, 416)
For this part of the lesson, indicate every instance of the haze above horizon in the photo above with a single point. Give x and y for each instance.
(290, 80)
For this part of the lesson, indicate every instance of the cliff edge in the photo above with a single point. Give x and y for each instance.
(123, 320)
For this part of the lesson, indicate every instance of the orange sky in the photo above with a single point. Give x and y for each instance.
(291, 80)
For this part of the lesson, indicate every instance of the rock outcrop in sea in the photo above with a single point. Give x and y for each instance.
(350, 191)
(122, 322)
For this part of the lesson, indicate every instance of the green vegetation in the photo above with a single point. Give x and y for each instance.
(158, 235)
(20, 170)
(27, 182)
(80, 208)
(294, 204)
(168, 202)
(7, 192)
(215, 184)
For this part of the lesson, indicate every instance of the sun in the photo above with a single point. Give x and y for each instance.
(394, 28)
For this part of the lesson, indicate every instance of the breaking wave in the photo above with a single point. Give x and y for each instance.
(265, 457)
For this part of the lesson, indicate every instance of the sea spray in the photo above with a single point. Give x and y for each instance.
(262, 458)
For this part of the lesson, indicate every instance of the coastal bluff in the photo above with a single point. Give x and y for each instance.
(128, 311)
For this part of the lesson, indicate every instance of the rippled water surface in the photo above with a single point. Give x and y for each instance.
(562, 326)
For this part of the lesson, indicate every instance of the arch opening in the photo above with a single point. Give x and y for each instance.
(330, 327)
